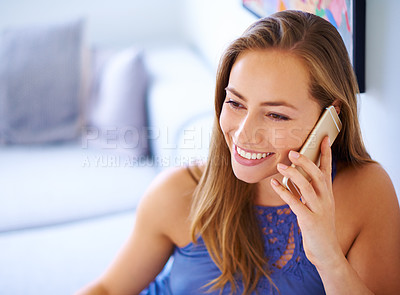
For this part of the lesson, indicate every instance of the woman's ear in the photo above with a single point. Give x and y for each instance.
(338, 105)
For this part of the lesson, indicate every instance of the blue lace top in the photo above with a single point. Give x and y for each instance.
(191, 267)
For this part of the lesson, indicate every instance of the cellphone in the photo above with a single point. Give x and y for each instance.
(328, 124)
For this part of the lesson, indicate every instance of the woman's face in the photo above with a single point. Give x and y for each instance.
(267, 112)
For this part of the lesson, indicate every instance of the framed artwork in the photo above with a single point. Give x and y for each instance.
(348, 16)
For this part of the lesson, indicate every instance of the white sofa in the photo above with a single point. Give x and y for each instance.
(66, 208)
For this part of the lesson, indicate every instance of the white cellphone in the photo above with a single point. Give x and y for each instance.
(328, 124)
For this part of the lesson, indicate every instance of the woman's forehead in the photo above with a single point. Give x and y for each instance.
(270, 74)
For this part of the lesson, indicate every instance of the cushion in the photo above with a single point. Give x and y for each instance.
(61, 259)
(49, 184)
(118, 119)
(40, 79)
(180, 81)
(193, 140)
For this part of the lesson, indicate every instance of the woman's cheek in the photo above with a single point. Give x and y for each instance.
(291, 138)
(296, 137)
(284, 138)
(223, 121)
(226, 123)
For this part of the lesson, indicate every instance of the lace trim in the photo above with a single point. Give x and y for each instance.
(283, 241)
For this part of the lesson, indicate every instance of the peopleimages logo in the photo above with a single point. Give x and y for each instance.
(121, 161)
(131, 138)
(129, 146)
(114, 137)
(189, 138)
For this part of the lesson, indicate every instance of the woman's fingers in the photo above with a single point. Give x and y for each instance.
(307, 191)
(320, 178)
(316, 217)
(326, 160)
(294, 203)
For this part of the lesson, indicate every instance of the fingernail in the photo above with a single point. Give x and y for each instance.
(282, 166)
(329, 141)
(274, 182)
(294, 154)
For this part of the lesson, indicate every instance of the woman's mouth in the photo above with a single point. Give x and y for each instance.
(250, 158)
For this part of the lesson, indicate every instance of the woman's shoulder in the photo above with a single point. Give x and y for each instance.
(368, 223)
(365, 202)
(366, 178)
(168, 199)
(170, 188)
(367, 185)
(176, 182)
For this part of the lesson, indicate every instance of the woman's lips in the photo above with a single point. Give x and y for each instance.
(247, 158)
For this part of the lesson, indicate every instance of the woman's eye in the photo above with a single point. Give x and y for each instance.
(278, 117)
(234, 104)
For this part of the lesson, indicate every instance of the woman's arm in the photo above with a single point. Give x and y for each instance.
(374, 255)
(149, 246)
(373, 260)
(95, 288)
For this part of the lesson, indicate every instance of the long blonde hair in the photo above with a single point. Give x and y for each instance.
(222, 210)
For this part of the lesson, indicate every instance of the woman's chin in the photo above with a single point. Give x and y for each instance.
(250, 175)
(247, 179)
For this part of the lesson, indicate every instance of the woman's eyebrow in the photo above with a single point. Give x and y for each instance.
(267, 103)
(236, 93)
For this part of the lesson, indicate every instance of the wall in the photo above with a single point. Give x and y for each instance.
(211, 25)
(116, 23)
(380, 104)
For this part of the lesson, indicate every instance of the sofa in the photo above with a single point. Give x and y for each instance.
(83, 132)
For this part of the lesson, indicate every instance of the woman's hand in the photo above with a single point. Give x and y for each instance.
(315, 210)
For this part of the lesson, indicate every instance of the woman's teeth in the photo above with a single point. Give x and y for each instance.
(251, 156)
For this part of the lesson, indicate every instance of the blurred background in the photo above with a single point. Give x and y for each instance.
(97, 97)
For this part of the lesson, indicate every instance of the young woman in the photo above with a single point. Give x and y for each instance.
(231, 226)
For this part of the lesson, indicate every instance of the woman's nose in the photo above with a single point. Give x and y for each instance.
(249, 131)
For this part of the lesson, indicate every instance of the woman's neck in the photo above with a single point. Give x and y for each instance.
(265, 195)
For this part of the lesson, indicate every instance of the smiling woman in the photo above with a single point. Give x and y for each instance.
(230, 226)
(262, 115)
